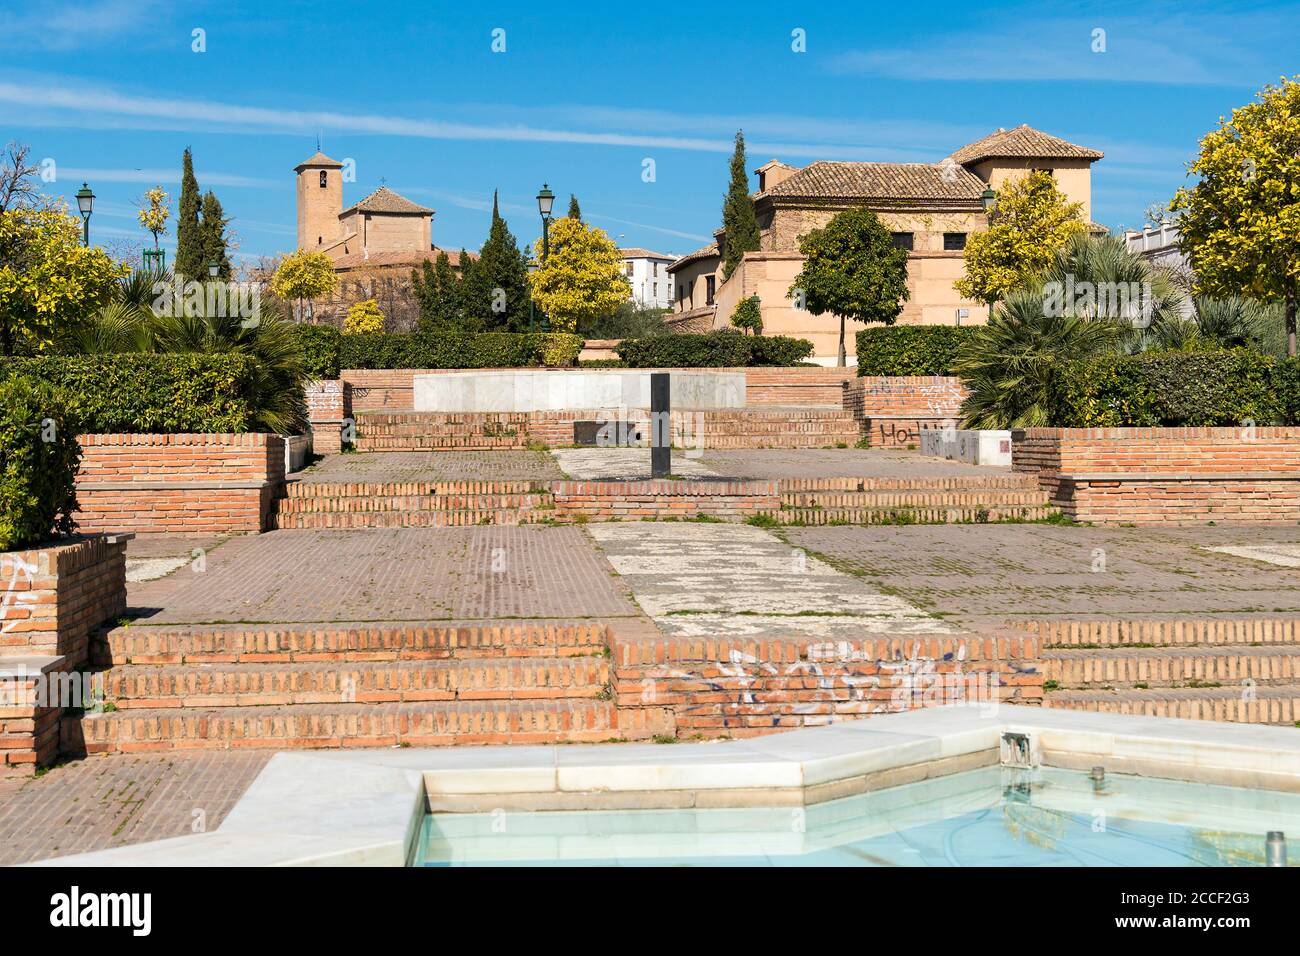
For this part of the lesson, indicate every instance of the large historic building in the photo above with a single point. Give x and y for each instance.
(374, 243)
(931, 208)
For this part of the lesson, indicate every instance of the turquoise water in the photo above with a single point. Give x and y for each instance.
(989, 817)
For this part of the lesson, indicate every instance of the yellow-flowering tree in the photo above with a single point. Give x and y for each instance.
(1031, 221)
(303, 276)
(582, 278)
(1240, 223)
(154, 212)
(364, 317)
(48, 279)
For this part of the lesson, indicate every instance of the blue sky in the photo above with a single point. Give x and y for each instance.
(584, 93)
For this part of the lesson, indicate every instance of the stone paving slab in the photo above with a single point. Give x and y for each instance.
(407, 574)
(982, 575)
(732, 580)
(105, 802)
(632, 464)
(835, 463)
(434, 466)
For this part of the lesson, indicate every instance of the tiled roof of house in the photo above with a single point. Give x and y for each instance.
(380, 260)
(1023, 142)
(384, 199)
(320, 160)
(636, 252)
(701, 253)
(889, 181)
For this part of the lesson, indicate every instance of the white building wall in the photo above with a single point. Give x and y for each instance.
(652, 287)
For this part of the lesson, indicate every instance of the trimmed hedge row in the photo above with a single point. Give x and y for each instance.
(167, 393)
(910, 349)
(325, 350)
(1223, 387)
(39, 456)
(720, 349)
(320, 349)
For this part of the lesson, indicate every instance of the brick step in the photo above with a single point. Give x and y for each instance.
(163, 644)
(914, 498)
(1277, 704)
(366, 443)
(931, 483)
(912, 515)
(1213, 632)
(298, 726)
(406, 519)
(326, 504)
(329, 682)
(1167, 666)
(306, 488)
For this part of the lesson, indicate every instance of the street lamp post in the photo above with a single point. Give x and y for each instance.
(545, 203)
(214, 269)
(86, 204)
(988, 199)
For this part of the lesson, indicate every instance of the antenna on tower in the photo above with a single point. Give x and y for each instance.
(320, 137)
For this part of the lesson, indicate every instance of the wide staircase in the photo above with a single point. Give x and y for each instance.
(412, 504)
(441, 431)
(1245, 670)
(920, 500)
(353, 685)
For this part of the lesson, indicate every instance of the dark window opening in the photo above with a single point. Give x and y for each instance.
(708, 290)
(903, 240)
(954, 241)
(323, 177)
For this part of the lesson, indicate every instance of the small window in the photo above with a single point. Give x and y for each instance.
(708, 290)
(629, 269)
(1050, 173)
(954, 241)
(324, 177)
(903, 240)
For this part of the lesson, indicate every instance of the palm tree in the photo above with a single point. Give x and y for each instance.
(131, 324)
(1009, 365)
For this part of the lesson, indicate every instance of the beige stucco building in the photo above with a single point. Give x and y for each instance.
(374, 244)
(930, 207)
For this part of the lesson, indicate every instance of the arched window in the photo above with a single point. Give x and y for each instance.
(323, 177)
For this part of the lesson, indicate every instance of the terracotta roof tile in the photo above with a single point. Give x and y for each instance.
(384, 199)
(867, 181)
(379, 260)
(701, 253)
(1023, 142)
(636, 252)
(321, 160)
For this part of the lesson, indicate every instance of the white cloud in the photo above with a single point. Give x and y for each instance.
(50, 26)
(170, 176)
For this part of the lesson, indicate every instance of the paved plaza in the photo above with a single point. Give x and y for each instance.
(391, 466)
(407, 574)
(982, 575)
(104, 802)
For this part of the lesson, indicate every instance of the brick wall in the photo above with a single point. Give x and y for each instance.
(192, 483)
(393, 389)
(634, 500)
(52, 600)
(895, 409)
(739, 687)
(329, 403)
(1166, 475)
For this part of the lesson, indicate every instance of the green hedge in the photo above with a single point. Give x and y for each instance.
(721, 349)
(483, 350)
(320, 349)
(39, 456)
(1223, 387)
(174, 392)
(910, 349)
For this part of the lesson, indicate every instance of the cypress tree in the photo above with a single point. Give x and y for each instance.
(436, 291)
(212, 229)
(501, 266)
(574, 211)
(738, 218)
(189, 237)
(467, 320)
